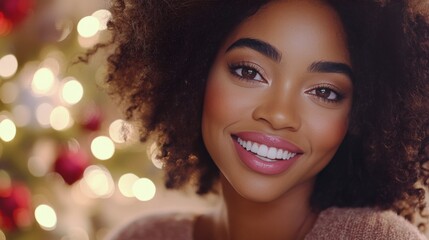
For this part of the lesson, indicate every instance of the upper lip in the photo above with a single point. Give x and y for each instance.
(269, 140)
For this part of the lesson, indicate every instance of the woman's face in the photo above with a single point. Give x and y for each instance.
(278, 98)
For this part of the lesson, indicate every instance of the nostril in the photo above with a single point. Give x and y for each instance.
(278, 116)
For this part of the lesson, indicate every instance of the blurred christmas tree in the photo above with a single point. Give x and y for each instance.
(70, 167)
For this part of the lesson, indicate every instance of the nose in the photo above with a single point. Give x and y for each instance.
(280, 110)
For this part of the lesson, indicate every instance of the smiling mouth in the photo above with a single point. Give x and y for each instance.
(264, 152)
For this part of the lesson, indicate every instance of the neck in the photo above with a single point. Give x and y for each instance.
(288, 217)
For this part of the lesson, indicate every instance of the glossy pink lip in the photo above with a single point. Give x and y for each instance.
(258, 165)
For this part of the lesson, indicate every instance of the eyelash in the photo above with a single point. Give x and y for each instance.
(234, 67)
(333, 90)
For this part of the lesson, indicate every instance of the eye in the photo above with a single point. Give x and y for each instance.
(326, 94)
(246, 72)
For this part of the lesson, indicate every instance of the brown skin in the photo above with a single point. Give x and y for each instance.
(283, 99)
(161, 60)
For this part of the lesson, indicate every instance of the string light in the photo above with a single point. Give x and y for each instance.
(103, 17)
(72, 92)
(125, 184)
(7, 130)
(102, 148)
(46, 217)
(153, 152)
(43, 81)
(60, 118)
(144, 189)
(120, 131)
(8, 66)
(34, 96)
(99, 181)
(88, 26)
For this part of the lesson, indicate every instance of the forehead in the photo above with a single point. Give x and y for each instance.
(297, 26)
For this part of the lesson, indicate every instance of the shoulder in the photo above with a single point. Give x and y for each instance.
(362, 223)
(165, 226)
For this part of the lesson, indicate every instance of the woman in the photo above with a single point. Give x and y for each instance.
(311, 116)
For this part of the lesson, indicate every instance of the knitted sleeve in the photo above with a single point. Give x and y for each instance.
(156, 227)
(362, 223)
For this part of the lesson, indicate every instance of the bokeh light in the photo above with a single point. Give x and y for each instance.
(35, 168)
(46, 217)
(88, 26)
(103, 17)
(65, 26)
(102, 148)
(60, 118)
(120, 131)
(7, 130)
(99, 181)
(76, 233)
(43, 154)
(153, 152)
(125, 184)
(43, 81)
(5, 180)
(52, 63)
(8, 66)
(22, 115)
(88, 42)
(144, 189)
(9, 92)
(72, 92)
(2, 235)
(43, 113)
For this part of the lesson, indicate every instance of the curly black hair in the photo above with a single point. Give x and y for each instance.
(163, 51)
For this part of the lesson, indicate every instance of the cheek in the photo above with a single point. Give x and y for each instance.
(215, 104)
(224, 103)
(216, 111)
(328, 131)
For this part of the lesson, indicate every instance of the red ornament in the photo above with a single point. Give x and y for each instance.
(71, 165)
(92, 119)
(15, 207)
(15, 10)
(12, 12)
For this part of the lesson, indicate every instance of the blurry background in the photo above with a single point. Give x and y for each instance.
(70, 166)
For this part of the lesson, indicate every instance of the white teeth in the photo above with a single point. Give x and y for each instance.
(262, 150)
(254, 148)
(248, 145)
(285, 155)
(279, 154)
(272, 153)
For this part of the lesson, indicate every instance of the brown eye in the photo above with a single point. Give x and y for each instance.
(247, 73)
(326, 93)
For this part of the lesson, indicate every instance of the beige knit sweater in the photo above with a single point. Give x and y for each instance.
(333, 223)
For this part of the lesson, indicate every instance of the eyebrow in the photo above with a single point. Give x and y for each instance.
(331, 67)
(259, 46)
